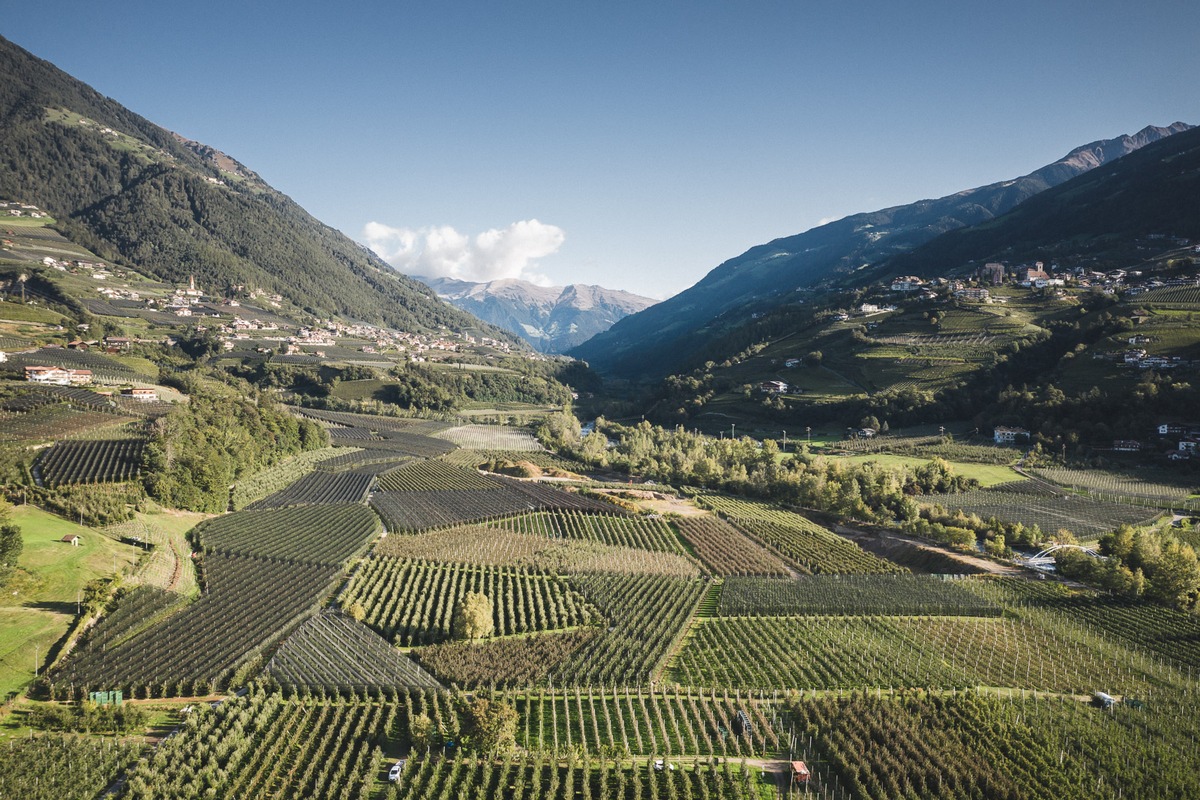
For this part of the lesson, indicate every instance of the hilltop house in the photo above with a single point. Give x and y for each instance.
(773, 387)
(1004, 435)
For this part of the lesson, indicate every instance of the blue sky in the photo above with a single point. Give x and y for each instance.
(635, 145)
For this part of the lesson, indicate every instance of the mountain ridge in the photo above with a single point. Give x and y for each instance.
(1143, 194)
(649, 343)
(139, 195)
(551, 318)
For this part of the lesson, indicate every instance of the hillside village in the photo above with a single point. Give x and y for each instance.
(234, 321)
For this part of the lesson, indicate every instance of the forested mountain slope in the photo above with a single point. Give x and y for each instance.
(658, 340)
(1153, 192)
(137, 194)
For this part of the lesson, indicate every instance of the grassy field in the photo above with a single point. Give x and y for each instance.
(25, 222)
(38, 606)
(18, 312)
(169, 566)
(986, 474)
(367, 389)
(459, 367)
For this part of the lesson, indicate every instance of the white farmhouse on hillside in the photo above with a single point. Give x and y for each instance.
(1003, 435)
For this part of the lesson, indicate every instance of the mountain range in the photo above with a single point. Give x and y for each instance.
(141, 196)
(658, 340)
(1102, 213)
(551, 318)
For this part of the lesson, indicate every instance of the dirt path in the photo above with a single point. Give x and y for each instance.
(658, 502)
(983, 564)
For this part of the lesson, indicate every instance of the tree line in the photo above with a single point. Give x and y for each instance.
(225, 431)
(867, 491)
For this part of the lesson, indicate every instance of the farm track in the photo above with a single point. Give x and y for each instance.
(982, 564)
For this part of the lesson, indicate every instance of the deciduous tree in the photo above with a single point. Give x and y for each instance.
(492, 724)
(473, 617)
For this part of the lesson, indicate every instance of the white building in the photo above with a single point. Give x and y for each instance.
(1003, 435)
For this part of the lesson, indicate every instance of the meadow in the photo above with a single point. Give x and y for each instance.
(39, 604)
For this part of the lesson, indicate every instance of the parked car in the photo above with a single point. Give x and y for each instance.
(394, 772)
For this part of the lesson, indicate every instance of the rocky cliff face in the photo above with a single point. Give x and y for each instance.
(551, 318)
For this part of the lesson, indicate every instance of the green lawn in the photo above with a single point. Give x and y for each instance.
(38, 606)
(986, 474)
(26, 634)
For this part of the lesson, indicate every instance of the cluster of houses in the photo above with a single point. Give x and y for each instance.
(1130, 282)
(240, 327)
(907, 283)
(96, 270)
(275, 300)
(1028, 276)
(62, 376)
(1186, 437)
(865, 310)
(109, 344)
(1140, 359)
(325, 333)
(308, 337)
(58, 376)
(21, 210)
(182, 301)
(992, 274)
(922, 289)
(118, 293)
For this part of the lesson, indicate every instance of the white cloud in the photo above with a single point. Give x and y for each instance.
(443, 252)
